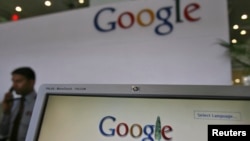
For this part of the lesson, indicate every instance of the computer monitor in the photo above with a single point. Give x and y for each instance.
(121, 112)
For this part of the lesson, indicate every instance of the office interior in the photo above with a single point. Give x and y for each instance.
(238, 15)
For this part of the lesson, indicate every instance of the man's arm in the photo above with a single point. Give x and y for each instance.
(5, 120)
(5, 125)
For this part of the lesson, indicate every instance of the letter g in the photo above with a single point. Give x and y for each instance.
(112, 133)
(165, 21)
(111, 24)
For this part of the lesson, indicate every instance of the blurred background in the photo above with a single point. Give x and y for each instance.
(238, 15)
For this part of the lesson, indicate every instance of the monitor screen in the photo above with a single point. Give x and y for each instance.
(125, 117)
(106, 114)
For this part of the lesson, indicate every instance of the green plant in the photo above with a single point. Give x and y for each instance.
(239, 52)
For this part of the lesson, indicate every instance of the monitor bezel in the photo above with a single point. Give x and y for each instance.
(133, 91)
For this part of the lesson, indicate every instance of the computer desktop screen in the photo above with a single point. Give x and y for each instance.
(126, 117)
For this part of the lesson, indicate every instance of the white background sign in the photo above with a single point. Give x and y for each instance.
(101, 2)
(67, 48)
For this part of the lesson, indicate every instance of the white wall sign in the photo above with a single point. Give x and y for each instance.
(146, 42)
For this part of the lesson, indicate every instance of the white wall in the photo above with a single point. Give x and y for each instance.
(67, 48)
(101, 2)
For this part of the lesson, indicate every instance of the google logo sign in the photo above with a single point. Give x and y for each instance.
(162, 14)
(147, 132)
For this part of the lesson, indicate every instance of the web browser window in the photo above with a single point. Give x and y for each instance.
(138, 118)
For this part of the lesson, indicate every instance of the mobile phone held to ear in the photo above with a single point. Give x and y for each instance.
(11, 89)
(11, 92)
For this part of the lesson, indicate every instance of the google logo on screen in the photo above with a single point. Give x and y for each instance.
(149, 132)
(162, 14)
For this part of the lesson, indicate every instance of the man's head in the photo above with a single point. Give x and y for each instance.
(23, 80)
